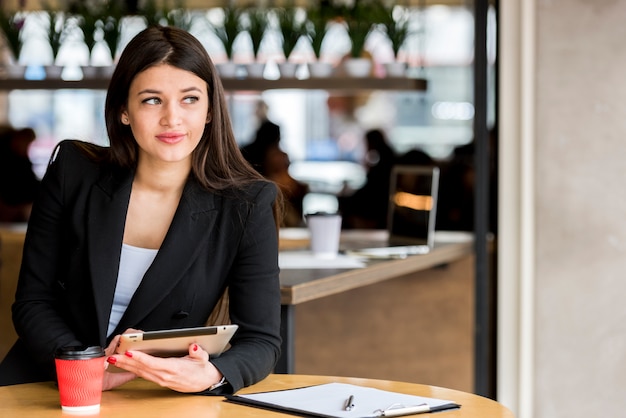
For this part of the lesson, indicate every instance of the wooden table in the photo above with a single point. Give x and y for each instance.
(302, 285)
(145, 399)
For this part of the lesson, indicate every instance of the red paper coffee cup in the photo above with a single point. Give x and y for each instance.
(80, 370)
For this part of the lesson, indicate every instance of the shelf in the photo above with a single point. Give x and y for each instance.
(331, 83)
(21, 84)
(250, 84)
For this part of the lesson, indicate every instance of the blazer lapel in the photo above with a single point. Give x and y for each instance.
(107, 209)
(185, 239)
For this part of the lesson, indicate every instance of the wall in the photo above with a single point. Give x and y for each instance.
(581, 233)
(570, 243)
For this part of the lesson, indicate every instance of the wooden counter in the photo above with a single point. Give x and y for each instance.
(299, 286)
(409, 320)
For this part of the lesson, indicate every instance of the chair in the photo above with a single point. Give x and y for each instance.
(11, 246)
(220, 315)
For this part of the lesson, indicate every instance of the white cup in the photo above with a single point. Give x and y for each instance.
(325, 231)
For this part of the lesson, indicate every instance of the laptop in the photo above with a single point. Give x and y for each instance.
(411, 216)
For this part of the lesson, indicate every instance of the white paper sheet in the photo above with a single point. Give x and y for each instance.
(306, 260)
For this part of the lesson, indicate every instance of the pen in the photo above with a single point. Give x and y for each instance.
(349, 403)
(396, 412)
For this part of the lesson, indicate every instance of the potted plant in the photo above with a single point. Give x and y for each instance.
(256, 26)
(227, 32)
(395, 22)
(11, 25)
(87, 18)
(359, 20)
(113, 15)
(56, 34)
(151, 13)
(179, 16)
(291, 29)
(316, 28)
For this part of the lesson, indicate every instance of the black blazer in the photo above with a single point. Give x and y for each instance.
(71, 260)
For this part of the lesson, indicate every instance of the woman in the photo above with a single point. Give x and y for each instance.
(147, 234)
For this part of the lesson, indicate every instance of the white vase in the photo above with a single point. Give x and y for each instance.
(319, 69)
(287, 69)
(105, 71)
(255, 69)
(11, 68)
(53, 72)
(358, 67)
(227, 69)
(15, 71)
(72, 72)
(89, 72)
(395, 69)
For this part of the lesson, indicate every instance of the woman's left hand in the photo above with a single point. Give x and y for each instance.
(191, 373)
(114, 377)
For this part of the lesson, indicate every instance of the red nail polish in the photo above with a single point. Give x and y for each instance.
(111, 360)
(195, 347)
(128, 354)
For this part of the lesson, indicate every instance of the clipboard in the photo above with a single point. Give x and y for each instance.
(341, 400)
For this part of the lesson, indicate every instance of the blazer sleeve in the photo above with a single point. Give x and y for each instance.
(254, 292)
(36, 312)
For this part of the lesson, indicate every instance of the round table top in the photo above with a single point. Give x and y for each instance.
(140, 398)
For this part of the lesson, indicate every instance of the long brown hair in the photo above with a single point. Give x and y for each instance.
(217, 162)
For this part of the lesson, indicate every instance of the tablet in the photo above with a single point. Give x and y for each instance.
(175, 342)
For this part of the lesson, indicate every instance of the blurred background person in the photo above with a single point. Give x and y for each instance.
(367, 207)
(266, 156)
(18, 182)
(455, 207)
(277, 169)
(415, 157)
(267, 136)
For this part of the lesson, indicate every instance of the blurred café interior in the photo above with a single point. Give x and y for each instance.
(434, 323)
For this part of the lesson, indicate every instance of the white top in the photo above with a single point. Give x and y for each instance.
(134, 262)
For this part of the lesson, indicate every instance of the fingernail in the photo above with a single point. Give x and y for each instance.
(128, 354)
(111, 360)
(195, 347)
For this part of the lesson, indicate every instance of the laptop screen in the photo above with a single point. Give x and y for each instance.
(412, 205)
